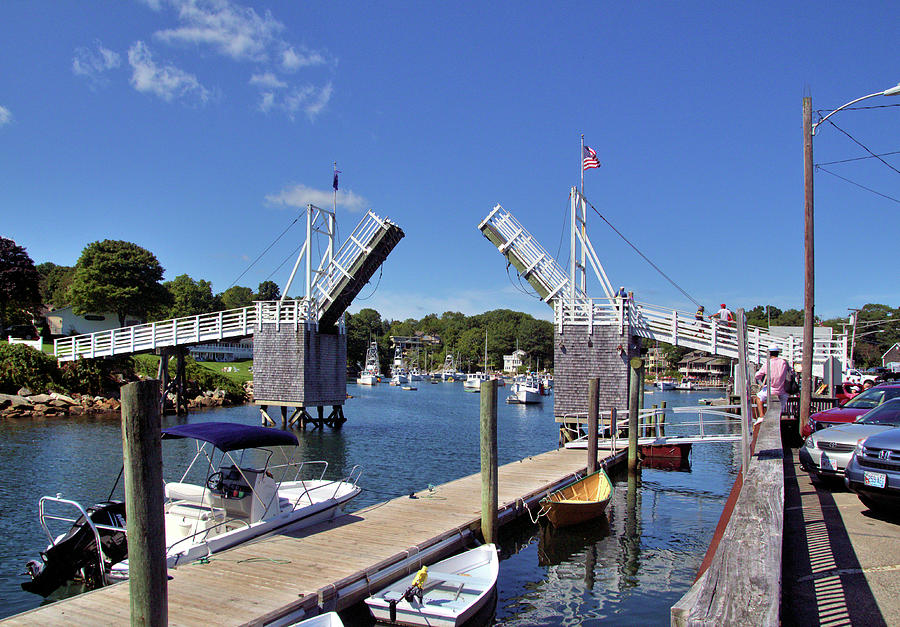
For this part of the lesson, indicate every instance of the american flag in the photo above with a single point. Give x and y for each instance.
(589, 159)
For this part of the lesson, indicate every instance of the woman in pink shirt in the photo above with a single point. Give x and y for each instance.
(778, 370)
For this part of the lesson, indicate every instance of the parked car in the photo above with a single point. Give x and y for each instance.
(21, 332)
(874, 471)
(828, 451)
(852, 409)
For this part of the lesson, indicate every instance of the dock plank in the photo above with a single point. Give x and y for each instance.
(253, 584)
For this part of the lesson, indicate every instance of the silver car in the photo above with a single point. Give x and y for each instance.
(827, 452)
(874, 471)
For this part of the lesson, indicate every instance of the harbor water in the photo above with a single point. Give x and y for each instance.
(629, 568)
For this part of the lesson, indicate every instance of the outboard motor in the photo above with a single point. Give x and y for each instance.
(77, 552)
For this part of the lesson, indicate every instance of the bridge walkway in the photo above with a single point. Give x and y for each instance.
(331, 293)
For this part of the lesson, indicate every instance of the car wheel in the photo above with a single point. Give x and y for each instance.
(872, 504)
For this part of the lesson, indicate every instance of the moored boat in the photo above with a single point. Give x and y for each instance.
(524, 391)
(372, 372)
(579, 501)
(242, 497)
(666, 383)
(445, 594)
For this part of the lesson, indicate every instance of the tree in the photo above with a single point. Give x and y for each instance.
(190, 297)
(236, 296)
(19, 280)
(117, 276)
(55, 283)
(268, 290)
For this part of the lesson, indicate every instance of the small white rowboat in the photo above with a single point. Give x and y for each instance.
(452, 592)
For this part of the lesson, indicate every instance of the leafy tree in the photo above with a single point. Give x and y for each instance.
(236, 296)
(190, 297)
(362, 328)
(117, 276)
(55, 283)
(19, 280)
(268, 290)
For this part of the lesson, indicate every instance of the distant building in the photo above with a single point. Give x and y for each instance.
(705, 367)
(656, 362)
(512, 362)
(891, 359)
(223, 351)
(64, 321)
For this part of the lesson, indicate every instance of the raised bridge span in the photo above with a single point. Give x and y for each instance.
(571, 306)
(331, 288)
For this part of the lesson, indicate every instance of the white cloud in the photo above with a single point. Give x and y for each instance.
(94, 63)
(267, 79)
(266, 101)
(5, 116)
(235, 31)
(308, 99)
(300, 195)
(168, 82)
(292, 61)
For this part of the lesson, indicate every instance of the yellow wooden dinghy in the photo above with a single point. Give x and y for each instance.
(579, 501)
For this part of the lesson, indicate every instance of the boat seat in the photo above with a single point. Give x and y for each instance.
(185, 509)
(188, 492)
(436, 577)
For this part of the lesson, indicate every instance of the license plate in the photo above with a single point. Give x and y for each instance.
(826, 463)
(874, 479)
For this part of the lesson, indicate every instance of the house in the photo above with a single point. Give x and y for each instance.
(704, 367)
(891, 359)
(512, 362)
(655, 361)
(64, 321)
(223, 351)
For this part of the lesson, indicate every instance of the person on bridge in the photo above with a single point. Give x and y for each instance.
(724, 314)
(778, 370)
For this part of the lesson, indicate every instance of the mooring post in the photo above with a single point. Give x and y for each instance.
(142, 458)
(653, 417)
(613, 428)
(489, 461)
(593, 415)
(662, 420)
(634, 380)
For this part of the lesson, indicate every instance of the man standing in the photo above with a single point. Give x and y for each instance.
(724, 314)
(778, 371)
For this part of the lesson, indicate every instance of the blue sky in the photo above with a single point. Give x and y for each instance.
(197, 129)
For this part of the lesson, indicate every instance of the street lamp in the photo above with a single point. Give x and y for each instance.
(809, 130)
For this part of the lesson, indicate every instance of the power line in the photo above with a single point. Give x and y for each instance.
(883, 154)
(868, 189)
(859, 108)
(861, 145)
(647, 259)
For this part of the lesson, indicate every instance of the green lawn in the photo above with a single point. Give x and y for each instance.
(241, 373)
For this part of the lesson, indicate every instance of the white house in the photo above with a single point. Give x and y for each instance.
(512, 362)
(891, 359)
(64, 321)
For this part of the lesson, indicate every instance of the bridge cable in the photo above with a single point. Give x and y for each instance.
(263, 252)
(647, 259)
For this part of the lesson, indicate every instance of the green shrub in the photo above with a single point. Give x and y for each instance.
(21, 365)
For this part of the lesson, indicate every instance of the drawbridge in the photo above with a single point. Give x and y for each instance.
(567, 296)
(330, 288)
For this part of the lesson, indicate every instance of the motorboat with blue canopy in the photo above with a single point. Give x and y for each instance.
(244, 482)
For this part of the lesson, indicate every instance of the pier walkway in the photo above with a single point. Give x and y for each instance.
(330, 566)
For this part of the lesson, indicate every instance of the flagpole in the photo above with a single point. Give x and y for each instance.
(582, 164)
(334, 200)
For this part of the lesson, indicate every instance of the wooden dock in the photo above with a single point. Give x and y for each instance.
(333, 565)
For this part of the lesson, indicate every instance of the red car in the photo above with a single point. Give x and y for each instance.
(853, 408)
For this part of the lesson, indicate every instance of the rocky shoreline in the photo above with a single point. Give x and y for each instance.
(28, 405)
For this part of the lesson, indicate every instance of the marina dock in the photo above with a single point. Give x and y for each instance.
(330, 566)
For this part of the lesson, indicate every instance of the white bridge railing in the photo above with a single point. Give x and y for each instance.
(683, 329)
(211, 327)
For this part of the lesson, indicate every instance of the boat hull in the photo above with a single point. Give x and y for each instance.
(579, 501)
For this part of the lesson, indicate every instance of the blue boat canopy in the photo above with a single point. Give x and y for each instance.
(230, 436)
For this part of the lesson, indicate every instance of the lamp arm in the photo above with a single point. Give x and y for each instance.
(852, 102)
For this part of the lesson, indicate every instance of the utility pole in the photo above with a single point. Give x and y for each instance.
(854, 314)
(809, 264)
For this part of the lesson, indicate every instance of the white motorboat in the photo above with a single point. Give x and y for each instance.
(328, 619)
(239, 498)
(371, 374)
(686, 383)
(445, 594)
(473, 381)
(525, 390)
(665, 384)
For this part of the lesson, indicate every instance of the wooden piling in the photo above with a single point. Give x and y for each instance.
(653, 419)
(489, 470)
(636, 364)
(142, 457)
(593, 415)
(661, 425)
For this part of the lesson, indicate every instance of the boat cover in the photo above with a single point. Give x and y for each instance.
(230, 436)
